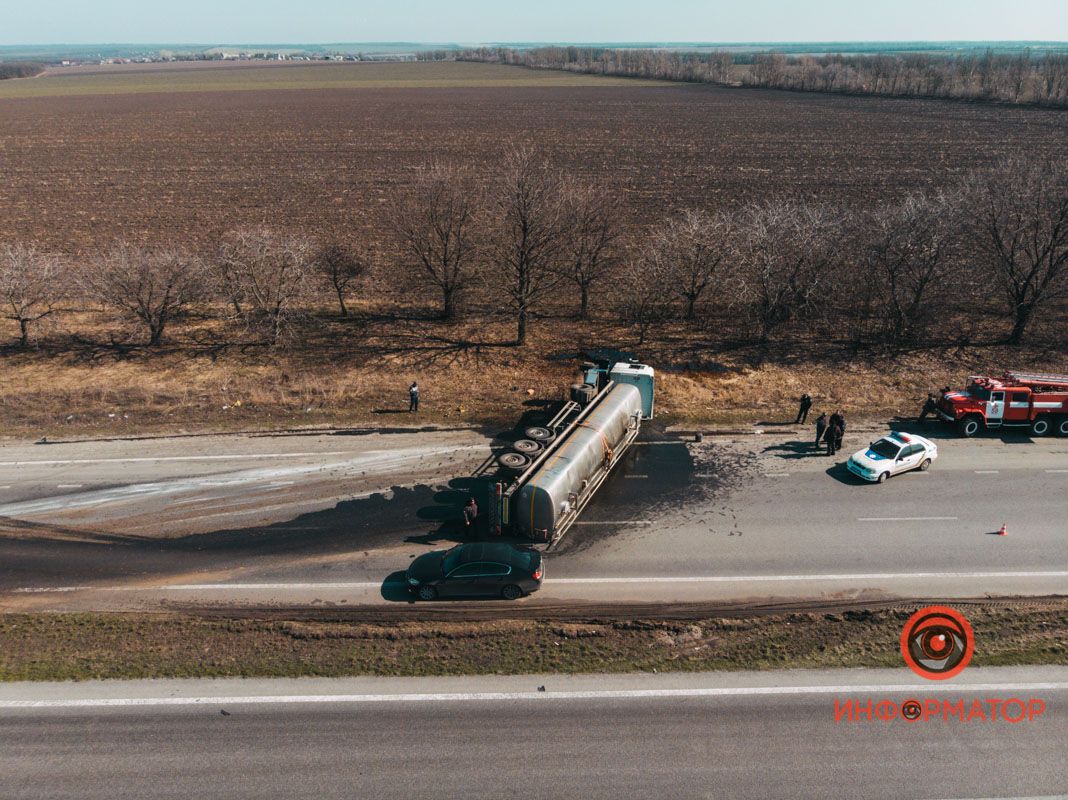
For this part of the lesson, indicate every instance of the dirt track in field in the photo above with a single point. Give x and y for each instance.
(80, 171)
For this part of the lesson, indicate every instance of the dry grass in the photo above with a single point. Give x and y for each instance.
(244, 77)
(96, 646)
(356, 371)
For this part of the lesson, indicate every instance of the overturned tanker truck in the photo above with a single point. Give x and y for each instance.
(550, 476)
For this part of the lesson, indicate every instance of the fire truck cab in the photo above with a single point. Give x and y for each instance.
(1035, 401)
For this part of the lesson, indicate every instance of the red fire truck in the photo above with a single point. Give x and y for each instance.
(1018, 399)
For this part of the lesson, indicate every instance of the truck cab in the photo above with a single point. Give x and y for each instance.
(1037, 402)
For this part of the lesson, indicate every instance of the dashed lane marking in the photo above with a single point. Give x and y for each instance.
(69, 485)
(987, 472)
(906, 519)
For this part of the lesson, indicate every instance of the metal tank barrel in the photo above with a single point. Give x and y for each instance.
(564, 482)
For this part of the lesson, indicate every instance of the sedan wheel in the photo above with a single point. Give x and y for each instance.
(428, 593)
(925, 464)
(511, 592)
(883, 476)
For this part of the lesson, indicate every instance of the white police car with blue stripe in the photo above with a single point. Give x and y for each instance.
(891, 455)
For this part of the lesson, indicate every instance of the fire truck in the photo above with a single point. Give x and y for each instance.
(1038, 402)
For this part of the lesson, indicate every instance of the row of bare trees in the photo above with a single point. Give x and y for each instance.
(1009, 78)
(262, 278)
(538, 239)
(1023, 77)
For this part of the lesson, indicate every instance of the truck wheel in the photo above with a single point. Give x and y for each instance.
(540, 434)
(511, 592)
(925, 464)
(526, 446)
(968, 427)
(512, 460)
(1041, 426)
(883, 477)
(1062, 426)
(428, 593)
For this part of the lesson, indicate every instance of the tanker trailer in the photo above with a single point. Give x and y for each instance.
(587, 438)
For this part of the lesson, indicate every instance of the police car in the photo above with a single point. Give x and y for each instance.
(894, 453)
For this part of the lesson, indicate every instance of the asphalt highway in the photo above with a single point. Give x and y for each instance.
(334, 518)
(739, 735)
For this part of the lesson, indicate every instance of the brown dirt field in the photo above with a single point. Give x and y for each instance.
(78, 171)
(96, 646)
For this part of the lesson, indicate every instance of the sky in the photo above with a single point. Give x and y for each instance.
(475, 21)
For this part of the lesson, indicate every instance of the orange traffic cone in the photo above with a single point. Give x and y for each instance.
(1004, 530)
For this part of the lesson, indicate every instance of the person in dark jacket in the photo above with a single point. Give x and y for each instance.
(802, 411)
(821, 428)
(470, 514)
(413, 397)
(929, 407)
(835, 432)
(833, 437)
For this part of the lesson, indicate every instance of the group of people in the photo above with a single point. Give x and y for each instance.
(829, 430)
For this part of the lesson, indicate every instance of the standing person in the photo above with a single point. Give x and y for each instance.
(470, 515)
(802, 412)
(833, 437)
(929, 407)
(821, 428)
(841, 429)
(413, 397)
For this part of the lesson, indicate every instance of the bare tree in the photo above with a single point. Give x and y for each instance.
(645, 292)
(1018, 214)
(435, 225)
(530, 233)
(693, 245)
(31, 286)
(150, 287)
(342, 268)
(911, 249)
(593, 233)
(786, 252)
(266, 274)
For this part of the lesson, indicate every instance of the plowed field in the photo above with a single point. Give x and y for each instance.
(166, 153)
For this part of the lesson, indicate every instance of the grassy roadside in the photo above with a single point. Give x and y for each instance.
(125, 646)
(359, 377)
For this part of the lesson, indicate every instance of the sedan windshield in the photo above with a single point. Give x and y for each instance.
(884, 448)
(451, 560)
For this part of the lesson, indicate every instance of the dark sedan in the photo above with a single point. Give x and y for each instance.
(480, 569)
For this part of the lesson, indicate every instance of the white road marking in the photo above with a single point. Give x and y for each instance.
(69, 485)
(283, 483)
(5, 487)
(987, 472)
(776, 474)
(149, 459)
(905, 519)
(612, 522)
(372, 462)
(604, 694)
(1056, 470)
(203, 587)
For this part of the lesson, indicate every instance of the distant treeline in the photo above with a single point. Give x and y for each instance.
(20, 69)
(1009, 78)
